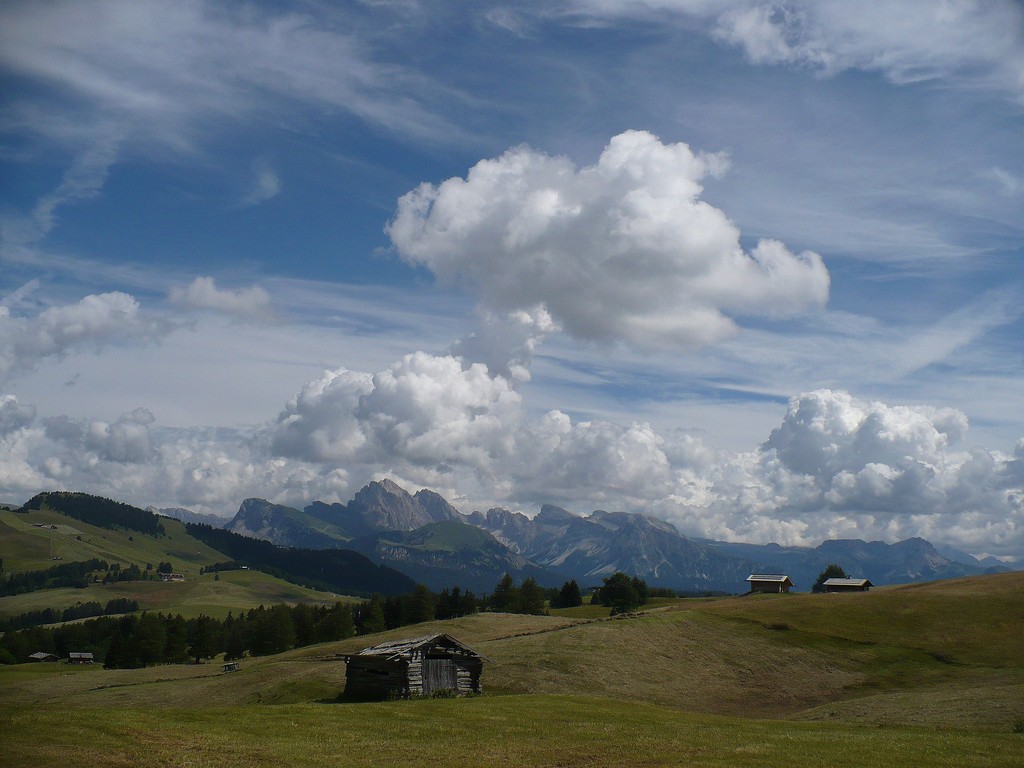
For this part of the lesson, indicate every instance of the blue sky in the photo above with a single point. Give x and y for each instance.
(752, 267)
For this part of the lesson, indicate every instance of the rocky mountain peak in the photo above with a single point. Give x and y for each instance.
(552, 515)
(436, 506)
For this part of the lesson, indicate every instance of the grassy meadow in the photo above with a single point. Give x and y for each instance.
(23, 546)
(923, 675)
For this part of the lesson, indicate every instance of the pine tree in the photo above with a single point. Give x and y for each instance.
(619, 593)
(371, 616)
(569, 595)
(531, 598)
(305, 629)
(204, 638)
(150, 638)
(422, 605)
(176, 648)
(505, 597)
(346, 626)
(832, 571)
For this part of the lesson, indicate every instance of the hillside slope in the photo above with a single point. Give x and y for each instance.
(730, 656)
(451, 553)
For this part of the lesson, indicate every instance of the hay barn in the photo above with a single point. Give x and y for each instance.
(769, 582)
(847, 585)
(418, 666)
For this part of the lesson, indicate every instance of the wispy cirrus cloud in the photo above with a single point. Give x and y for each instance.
(960, 42)
(164, 69)
(264, 185)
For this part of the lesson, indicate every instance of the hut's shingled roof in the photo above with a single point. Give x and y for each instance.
(398, 649)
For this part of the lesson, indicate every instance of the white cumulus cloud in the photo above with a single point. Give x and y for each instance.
(202, 293)
(623, 250)
(93, 322)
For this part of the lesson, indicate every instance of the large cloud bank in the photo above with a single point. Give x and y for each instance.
(835, 465)
(620, 252)
(623, 250)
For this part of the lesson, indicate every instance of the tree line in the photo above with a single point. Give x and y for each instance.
(332, 570)
(78, 575)
(95, 510)
(78, 611)
(155, 638)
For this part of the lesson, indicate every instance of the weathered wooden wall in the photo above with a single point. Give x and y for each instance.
(423, 671)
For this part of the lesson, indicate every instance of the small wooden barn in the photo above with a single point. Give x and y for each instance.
(769, 582)
(76, 657)
(417, 666)
(847, 585)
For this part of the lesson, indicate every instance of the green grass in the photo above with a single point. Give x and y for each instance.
(588, 611)
(919, 675)
(25, 547)
(484, 731)
(977, 620)
(234, 591)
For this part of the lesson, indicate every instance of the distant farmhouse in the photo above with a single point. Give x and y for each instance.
(418, 666)
(42, 656)
(172, 577)
(79, 658)
(769, 582)
(847, 585)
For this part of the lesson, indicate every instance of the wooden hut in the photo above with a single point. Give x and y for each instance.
(847, 585)
(418, 666)
(769, 582)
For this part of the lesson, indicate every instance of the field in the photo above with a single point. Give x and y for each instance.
(24, 546)
(919, 675)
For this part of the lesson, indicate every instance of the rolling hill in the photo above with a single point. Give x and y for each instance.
(935, 670)
(40, 538)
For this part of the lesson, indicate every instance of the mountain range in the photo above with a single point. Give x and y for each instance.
(427, 538)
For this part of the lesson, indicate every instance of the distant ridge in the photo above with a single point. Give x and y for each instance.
(556, 543)
(188, 516)
(589, 548)
(912, 560)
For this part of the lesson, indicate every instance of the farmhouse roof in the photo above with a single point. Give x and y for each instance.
(774, 577)
(834, 582)
(83, 655)
(41, 656)
(396, 650)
